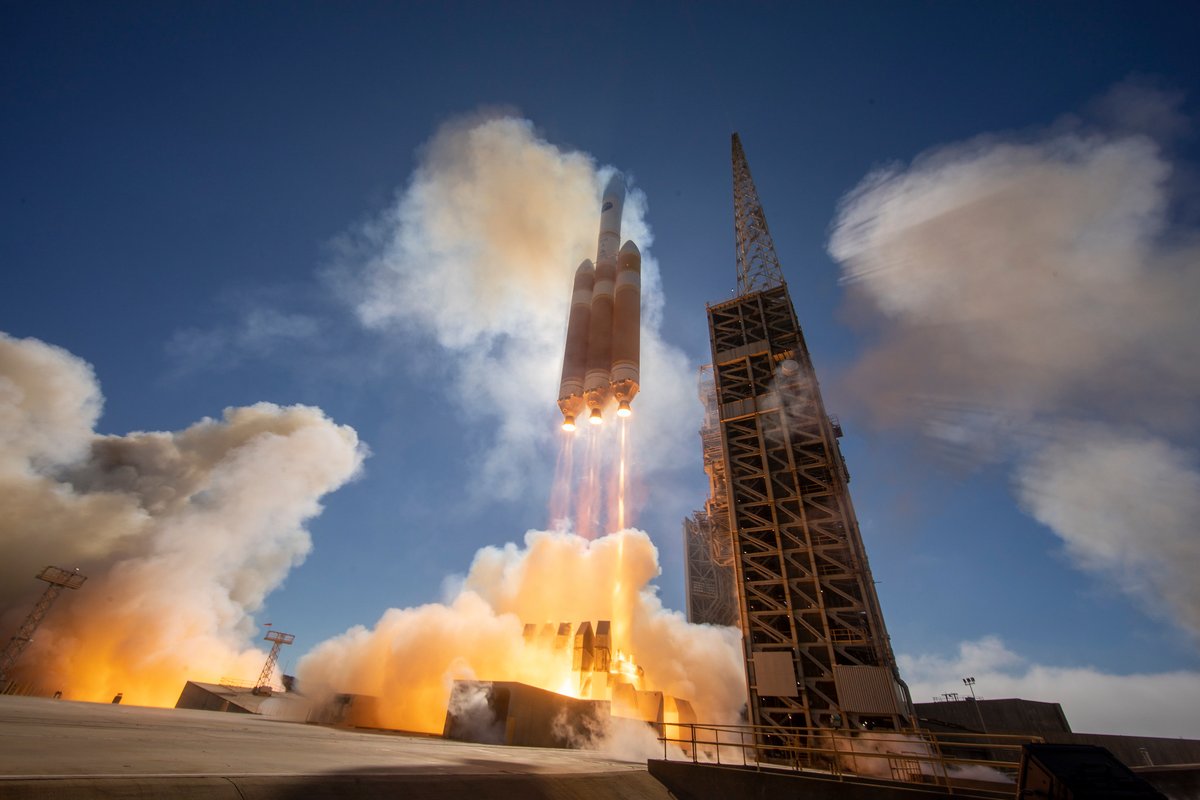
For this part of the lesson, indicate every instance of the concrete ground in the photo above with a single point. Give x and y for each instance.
(58, 748)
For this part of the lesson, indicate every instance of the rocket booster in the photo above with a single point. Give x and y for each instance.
(602, 353)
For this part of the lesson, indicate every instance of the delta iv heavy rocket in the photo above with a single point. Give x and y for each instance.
(600, 363)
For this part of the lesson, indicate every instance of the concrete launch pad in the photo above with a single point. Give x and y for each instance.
(57, 748)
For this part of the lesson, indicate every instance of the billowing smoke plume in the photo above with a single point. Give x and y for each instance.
(479, 252)
(1036, 302)
(181, 535)
(411, 657)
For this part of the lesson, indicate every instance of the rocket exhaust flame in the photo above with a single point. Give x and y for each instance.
(411, 657)
(621, 480)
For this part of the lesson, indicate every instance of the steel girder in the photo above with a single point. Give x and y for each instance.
(804, 585)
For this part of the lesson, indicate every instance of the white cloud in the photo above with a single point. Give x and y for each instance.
(1094, 701)
(1127, 507)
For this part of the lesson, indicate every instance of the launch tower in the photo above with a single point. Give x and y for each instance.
(817, 652)
(708, 545)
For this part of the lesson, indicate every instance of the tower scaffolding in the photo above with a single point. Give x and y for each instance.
(708, 546)
(816, 649)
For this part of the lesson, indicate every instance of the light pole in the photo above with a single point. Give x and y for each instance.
(970, 683)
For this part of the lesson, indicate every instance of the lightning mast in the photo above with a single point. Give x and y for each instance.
(757, 265)
(817, 652)
(58, 579)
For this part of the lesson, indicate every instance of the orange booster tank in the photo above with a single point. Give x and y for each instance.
(570, 388)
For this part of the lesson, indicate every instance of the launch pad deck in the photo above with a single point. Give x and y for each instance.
(57, 748)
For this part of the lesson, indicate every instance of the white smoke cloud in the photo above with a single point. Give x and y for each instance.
(411, 657)
(181, 535)
(49, 403)
(1094, 701)
(1025, 285)
(1027, 278)
(478, 253)
(1127, 507)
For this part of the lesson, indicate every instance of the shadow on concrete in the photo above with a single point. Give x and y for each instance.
(473, 779)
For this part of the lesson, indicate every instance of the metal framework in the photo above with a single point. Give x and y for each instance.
(279, 638)
(58, 579)
(817, 652)
(711, 597)
(757, 265)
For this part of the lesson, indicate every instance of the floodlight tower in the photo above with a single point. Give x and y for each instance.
(58, 579)
(817, 652)
(279, 639)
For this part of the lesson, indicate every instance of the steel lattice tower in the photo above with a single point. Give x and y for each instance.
(757, 265)
(57, 580)
(817, 652)
(278, 639)
(708, 547)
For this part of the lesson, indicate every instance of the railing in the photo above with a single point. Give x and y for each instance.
(965, 764)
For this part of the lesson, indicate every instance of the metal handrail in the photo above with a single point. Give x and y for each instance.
(909, 756)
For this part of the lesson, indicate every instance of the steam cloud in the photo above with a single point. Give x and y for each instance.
(412, 656)
(1035, 301)
(181, 535)
(479, 252)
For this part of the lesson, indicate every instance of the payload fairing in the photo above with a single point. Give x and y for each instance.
(601, 359)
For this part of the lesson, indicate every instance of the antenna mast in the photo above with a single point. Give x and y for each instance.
(757, 265)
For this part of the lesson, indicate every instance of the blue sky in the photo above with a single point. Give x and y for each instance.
(181, 181)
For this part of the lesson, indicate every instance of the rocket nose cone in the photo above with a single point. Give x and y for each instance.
(615, 188)
(585, 267)
(631, 249)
